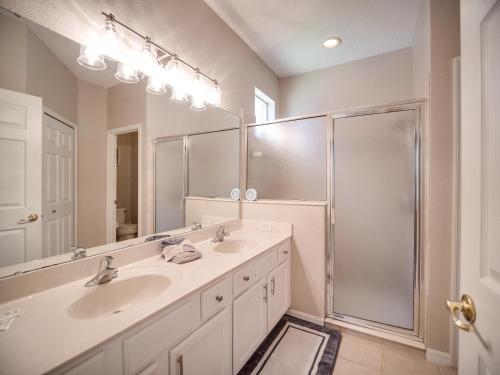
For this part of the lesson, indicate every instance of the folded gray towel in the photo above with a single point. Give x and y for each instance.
(187, 256)
(171, 241)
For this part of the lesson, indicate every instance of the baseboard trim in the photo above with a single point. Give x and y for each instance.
(437, 357)
(305, 316)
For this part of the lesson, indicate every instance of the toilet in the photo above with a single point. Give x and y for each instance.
(124, 231)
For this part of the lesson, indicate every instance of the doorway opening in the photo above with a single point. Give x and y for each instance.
(123, 184)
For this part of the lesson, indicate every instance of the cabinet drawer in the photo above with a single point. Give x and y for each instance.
(266, 263)
(153, 339)
(283, 251)
(244, 279)
(215, 298)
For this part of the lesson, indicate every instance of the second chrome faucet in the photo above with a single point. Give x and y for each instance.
(105, 274)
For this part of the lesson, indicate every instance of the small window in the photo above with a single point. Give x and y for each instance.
(264, 107)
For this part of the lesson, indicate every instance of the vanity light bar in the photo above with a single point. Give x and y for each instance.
(136, 63)
(166, 52)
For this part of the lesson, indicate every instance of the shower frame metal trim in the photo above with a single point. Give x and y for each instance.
(417, 332)
(185, 166)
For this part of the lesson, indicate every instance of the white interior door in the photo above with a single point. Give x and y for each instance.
(479, 346)
(58, 186)
(20, 177)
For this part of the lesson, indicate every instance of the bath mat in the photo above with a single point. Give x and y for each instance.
(296, 347)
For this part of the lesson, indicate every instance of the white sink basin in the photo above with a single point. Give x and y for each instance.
(128, 291)
(232, 246)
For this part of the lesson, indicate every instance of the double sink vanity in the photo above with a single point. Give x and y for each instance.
(203, 317)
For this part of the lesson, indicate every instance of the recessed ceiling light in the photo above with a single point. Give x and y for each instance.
(332, 42)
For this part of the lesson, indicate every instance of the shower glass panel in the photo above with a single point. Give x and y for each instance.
(214, 163)
(169, 185)
(287, 160)
(375, 216)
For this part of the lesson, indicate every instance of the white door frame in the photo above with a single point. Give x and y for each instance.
(455, 238)
(111, 179)
(74, 126)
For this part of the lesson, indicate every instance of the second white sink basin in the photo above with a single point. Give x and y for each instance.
(119, 295)
(232, 246)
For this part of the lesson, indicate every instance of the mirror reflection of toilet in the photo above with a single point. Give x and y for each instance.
(124, 231)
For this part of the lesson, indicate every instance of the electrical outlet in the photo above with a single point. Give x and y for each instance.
(266, 227)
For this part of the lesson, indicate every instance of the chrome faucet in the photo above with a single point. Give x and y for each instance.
(220, 234)
(105, 274)
(78, 252)
(196, 225)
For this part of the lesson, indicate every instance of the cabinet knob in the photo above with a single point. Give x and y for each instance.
(246, 278)
(219, 298)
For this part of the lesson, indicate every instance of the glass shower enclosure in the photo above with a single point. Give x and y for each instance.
(374, 265)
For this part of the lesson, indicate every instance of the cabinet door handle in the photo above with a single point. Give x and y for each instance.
(219, 298)
(272, 286)
(246, 278)
(285, 252)
(181, 365)
(265, 292)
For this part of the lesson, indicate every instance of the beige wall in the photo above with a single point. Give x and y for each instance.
(437, 41)
(91, 167)
(308, 250)
(375, 80)
(28, 66)
(49, 78)
(13, 35)
(126, 105)
(445, 44)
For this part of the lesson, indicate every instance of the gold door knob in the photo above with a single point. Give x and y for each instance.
(464, 306)
(29, 219)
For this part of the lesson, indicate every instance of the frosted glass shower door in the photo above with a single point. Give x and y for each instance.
(374, 194)
(169, 185)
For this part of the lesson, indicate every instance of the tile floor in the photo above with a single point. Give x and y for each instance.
(361, 354)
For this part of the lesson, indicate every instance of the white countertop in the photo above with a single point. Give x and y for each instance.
(45, 336)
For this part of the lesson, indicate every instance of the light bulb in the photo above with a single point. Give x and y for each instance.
(156, 82)
(110, 41)
(198, 93)
(91, 58)
(146, 60)
(175, 78)
(214, 95)
(126, 73)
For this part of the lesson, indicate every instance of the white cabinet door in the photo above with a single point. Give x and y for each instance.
(206, 351)
(157, 366)
(279, 290)
(249, 322)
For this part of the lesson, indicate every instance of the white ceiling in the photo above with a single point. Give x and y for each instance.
(288, 34)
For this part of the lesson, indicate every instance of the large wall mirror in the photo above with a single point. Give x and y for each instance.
(87, 161)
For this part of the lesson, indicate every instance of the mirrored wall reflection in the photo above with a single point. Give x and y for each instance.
(76, 154)
(195, 176)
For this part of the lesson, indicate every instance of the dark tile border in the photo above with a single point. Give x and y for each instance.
(327, 361)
